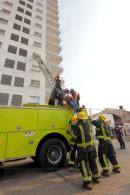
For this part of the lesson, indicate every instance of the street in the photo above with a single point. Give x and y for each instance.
(23, 177)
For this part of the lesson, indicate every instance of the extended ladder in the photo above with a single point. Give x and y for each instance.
(45, 70)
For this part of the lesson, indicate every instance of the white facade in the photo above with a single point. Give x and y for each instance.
(23, 31)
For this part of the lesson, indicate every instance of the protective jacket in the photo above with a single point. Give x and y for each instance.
(103, 131)
(82, 134)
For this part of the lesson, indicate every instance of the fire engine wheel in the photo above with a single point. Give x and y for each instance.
(52, 154)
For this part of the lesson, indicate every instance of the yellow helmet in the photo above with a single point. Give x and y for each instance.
(82, 115)
(74, 119)
(102, 117)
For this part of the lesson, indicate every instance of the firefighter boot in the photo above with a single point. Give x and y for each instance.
(87, 186)
(116, 170)
(96, 180)
(105, 173)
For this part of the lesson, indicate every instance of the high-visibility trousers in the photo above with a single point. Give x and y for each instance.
(88, 165)
(72, 157)
(107, 152)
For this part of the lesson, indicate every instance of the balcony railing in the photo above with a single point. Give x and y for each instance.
(53, 48)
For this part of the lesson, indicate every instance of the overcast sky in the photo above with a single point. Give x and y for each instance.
(95, 44)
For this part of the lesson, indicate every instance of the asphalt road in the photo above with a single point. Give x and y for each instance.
(24, 178)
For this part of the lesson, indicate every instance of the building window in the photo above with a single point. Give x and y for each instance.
(0, 44)
(40, 4)
(28, 13)
(24, 40)
(21, 2)
(27, 21)
(29, 6)
(35, 83)
(16, 26)
(23, 52)
(6, 79)
(31, 1)
(12, 49)
(38, 25)
(37, 44)
(39, 10)
(37, 34)
(5, 11)
(38, 17)
(9, 63)
(17, 17)
(8, 3)
(2, 32)
(34, 99)
(4, 21)
(16, 100)
(21, 66)
(26, 30)
(4, 97)
(19, 82)
(20, 9)
(14, 37)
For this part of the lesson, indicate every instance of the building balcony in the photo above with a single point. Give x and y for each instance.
(53, 7)
(8, 3)
(53, 3)
(52, 31)
(52, 17)
(5, 11)
(54, 69)
(53, 48)
(52, 10)
(54, 59)
(53, 23)
(53, 39)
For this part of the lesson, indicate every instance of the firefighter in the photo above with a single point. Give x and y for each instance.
(82, 137)
(58, 82)
(75, 95)
(119, 136)
(105, 148)
(73, 148)
(57, 94)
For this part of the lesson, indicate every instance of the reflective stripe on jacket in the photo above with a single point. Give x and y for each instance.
(82, 134)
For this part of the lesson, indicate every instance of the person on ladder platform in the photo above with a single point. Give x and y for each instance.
(75, 95)
(82, 137)
(68, 98)
(73, 148)
(105, 148)
(57, 94)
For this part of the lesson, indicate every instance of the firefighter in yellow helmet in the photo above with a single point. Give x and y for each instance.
(105, 148)
(82, 137)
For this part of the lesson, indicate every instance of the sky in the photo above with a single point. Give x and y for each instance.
(95, 40)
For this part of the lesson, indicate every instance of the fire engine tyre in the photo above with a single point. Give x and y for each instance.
(52, 154)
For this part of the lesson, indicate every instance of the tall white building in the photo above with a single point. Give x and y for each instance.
(27, 27)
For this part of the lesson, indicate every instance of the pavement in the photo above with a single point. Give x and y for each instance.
(24, 178)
